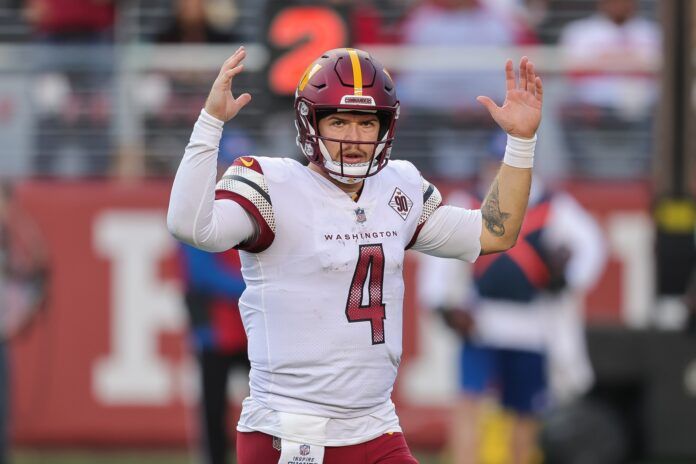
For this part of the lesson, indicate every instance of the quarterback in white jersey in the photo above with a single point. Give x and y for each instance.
(322, 250)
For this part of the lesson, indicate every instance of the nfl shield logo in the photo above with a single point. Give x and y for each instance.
(360, 215)
(304, 450)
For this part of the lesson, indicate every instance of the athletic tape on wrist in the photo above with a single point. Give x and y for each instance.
(519, 152)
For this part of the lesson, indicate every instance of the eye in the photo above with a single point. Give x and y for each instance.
(337, 122)
(369, 124)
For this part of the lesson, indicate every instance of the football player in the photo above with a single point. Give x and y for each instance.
(322, 250)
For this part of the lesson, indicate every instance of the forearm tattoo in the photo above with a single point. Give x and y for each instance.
(493, 218)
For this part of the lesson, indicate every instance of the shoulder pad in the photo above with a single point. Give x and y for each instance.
(245, 183)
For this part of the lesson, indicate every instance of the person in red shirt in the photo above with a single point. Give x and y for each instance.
(71, 17)
(73, 92)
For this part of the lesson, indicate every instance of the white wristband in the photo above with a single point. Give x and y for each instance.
(519, 152)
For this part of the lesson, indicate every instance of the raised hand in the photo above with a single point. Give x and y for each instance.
(221, 103)
(520, 114)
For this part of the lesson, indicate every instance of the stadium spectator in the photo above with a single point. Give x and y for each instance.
(446, 127)
(324, 345)
(453, 23)
(614, 93)
(23, 281)
(168, 99)
(197, 21)
(71, 21)
(371, 21)
(550, 16)
(520, 321)
(72, 94)
(524, 14)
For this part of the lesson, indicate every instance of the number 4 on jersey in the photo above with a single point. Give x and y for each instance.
(370, 263)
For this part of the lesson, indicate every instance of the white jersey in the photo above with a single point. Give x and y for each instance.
(324, 297)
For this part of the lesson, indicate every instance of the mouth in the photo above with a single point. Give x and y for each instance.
(354, 158)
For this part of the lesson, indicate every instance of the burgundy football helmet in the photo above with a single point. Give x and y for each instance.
(345, 79)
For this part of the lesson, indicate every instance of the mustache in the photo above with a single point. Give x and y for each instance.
(357, 151)
(354, 153)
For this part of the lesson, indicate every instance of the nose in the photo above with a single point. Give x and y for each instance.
(353, 131)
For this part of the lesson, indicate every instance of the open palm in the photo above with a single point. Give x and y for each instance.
(221, 103)
(520, 114)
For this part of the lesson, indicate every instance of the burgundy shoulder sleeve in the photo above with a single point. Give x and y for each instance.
(245, 183)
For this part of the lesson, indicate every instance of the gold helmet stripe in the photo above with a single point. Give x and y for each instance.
(357, 72)
(308, 75)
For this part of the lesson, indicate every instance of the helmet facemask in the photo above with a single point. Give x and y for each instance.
(314, 147)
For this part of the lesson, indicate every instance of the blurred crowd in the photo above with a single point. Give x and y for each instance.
(95, 113)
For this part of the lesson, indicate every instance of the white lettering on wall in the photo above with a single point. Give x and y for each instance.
(142, 306)
(631, 239)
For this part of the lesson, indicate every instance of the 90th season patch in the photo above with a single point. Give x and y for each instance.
(401, 203)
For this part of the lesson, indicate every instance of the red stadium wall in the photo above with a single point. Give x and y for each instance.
(105, 363)
(101, 363)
